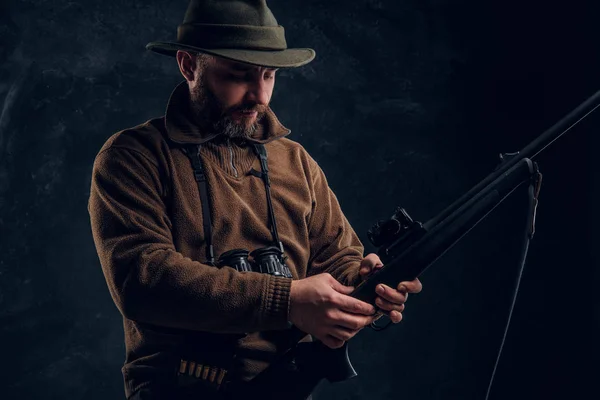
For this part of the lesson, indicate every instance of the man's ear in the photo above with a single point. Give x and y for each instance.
(187, 64)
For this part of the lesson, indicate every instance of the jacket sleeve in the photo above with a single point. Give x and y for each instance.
(334, 246)
(149, 281)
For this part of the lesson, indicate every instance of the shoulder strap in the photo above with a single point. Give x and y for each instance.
(193, 152)
(261, 152)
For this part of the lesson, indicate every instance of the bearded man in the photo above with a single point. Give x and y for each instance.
(217, 176)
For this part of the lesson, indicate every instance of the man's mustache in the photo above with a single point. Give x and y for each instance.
(259, 108)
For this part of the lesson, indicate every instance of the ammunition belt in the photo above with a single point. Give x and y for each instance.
(214, 375)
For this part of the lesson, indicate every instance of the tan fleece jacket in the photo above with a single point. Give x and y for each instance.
(146, 220)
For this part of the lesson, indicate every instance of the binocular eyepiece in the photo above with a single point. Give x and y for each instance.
(267, 260)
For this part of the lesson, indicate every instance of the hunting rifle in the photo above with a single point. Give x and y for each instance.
(407, 248)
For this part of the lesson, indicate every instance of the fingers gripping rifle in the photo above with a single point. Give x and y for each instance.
(407, 248)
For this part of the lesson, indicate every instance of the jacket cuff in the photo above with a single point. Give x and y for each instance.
(276, 304)
(350, 276)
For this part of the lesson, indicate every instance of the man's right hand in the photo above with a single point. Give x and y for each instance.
(320, 306)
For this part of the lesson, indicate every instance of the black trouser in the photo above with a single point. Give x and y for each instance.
(157, 393)
(153, 393)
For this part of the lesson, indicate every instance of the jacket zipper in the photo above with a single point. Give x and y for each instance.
(235, 172)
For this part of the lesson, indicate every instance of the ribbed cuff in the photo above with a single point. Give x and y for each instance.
(276, 304)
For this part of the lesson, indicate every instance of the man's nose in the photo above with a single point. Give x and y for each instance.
(258, 92)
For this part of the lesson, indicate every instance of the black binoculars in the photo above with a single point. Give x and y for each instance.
(267, 260)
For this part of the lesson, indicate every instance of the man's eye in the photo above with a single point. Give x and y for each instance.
(269, 76)
(237, 77)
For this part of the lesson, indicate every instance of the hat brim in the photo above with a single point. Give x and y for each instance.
(287, 58)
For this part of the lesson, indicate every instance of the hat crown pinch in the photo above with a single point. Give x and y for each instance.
(229, 12)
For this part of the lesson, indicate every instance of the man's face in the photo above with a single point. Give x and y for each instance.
(231, 96)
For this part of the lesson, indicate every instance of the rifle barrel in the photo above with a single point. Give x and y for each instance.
(529, 151)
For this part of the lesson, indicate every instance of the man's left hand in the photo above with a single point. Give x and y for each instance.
(389, 300)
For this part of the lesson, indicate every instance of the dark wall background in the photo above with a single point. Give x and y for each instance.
(408, 102)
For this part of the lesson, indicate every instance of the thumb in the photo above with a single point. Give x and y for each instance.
(369, 263)
(338, 287)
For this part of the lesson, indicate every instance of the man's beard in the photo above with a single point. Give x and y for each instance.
(211, 114)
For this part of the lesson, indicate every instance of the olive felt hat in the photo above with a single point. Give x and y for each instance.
(239, 30)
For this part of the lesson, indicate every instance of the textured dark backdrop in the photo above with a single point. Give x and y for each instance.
(408, 102)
